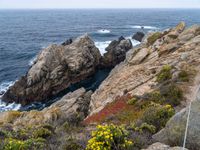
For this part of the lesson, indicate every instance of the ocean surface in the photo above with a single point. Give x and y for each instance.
(23, 33)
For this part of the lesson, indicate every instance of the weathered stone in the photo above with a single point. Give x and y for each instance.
(72, 107)
(116, 52)
(137, 74)
(55, 69)
(160, 146)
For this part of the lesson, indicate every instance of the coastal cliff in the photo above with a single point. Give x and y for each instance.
(144, 99)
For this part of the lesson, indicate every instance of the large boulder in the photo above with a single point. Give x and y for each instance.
(173, 133)
(138, 36)
(160, 146)
(116, 52)
(55, 69)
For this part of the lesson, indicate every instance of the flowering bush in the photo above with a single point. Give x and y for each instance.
(109, 137)
(158, 115)
(13, 144)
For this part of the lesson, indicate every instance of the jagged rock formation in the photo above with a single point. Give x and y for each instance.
(177, 47)
(173, 133)
(116, 52)
(160, 146)
(55, 69)
(72, 108)
(138, 36)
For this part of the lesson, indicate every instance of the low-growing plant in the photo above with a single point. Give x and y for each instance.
(164, 74)
(42, 133)
(151, 39)
(109, 137)
(132, 101)
(183, 76)
(147, 127)
(173, 94)
(158, 115)
(15, 144)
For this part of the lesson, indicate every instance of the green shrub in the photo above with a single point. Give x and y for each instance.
(71, 144)
(109, 137)
(172, 36)
(156, 96)
(164, 74)
(151, 39)
(147, 127)
(132, 101)
(173, 94)
(158, 115)
(183, 76)
(14, 144)
(41, 133)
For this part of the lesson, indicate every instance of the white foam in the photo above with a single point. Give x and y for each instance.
(4, 106)
(103, 31)
(134, 42)
(102, 46)
(32, 61)
(144, 27)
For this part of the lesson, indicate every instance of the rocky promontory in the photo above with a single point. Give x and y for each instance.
(55, 69)
(144, 100)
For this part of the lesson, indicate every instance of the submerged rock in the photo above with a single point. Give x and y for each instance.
(116, 52)
(55, 69)
(138, 36)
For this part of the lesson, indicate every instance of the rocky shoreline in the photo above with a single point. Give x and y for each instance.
(148, 91)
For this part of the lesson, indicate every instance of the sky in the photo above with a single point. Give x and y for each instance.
(34, 4)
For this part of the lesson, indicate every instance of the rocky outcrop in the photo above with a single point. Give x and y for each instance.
(116, 52)
(67, 42)
(177, 47)
(174, 131)
(160, 146)
(55, 69)
(71, 108)
(138, 36)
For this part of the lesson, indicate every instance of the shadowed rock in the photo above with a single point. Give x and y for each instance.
(116, 52)
(138, 36)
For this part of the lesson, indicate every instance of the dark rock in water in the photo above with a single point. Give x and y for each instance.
(138, 36)
(116, 52)
(67, 42)
(56, 68)
(121, 38)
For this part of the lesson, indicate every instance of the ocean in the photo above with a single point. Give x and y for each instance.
(24, 33)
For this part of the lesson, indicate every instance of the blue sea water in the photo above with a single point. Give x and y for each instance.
(23, 33)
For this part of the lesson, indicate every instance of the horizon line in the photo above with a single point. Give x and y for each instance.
(105, 8)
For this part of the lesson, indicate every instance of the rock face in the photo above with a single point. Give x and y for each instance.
(71, 108)
(174, 131)
(116, 52)
(55, 69)
(177, 47)
(160, 146)
(138, 36)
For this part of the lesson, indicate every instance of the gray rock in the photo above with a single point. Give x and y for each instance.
(55, 69)
(116, 52)
(138, 36)
(160, 146)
